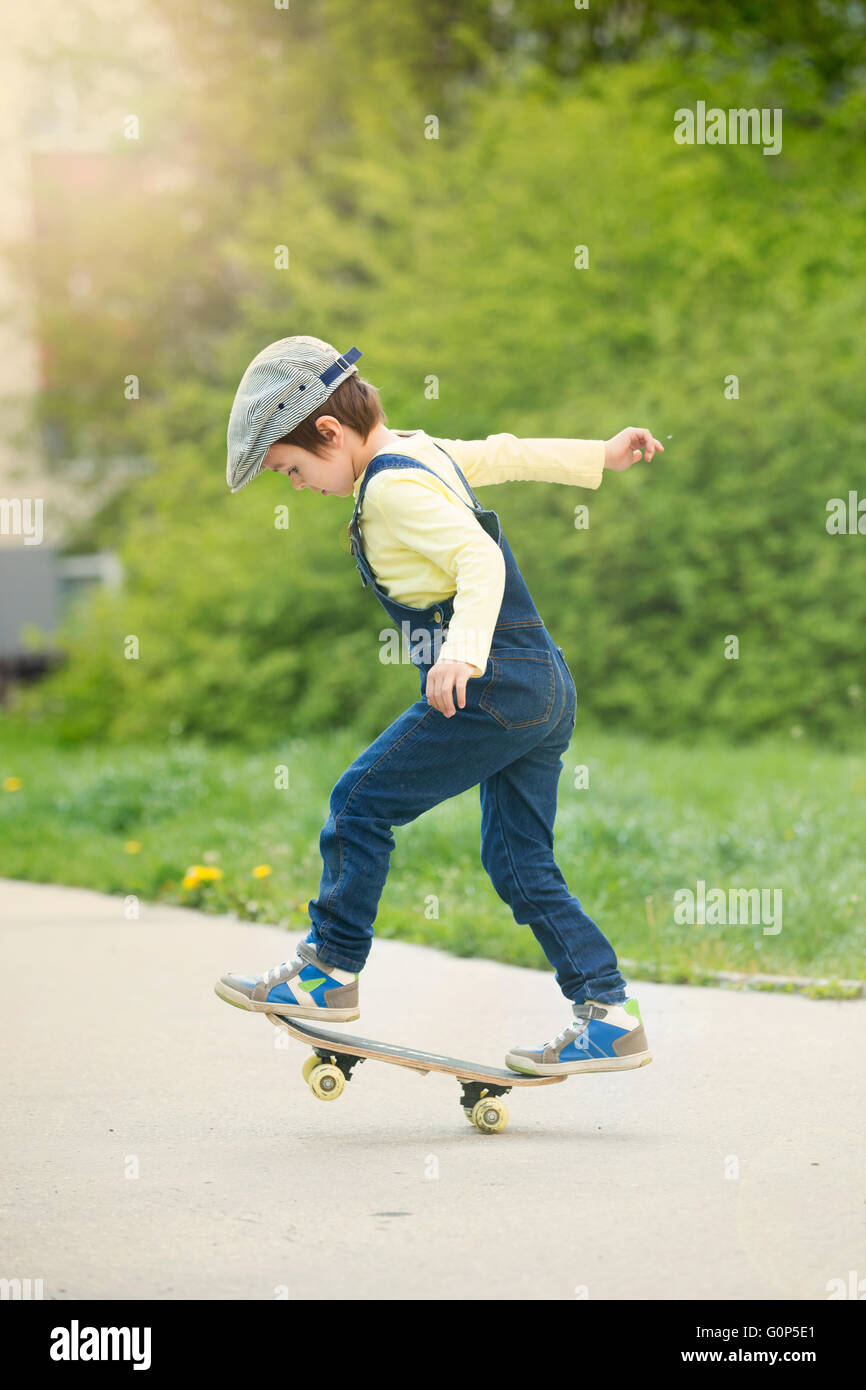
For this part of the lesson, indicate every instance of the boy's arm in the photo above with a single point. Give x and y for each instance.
(427, 522)
(448, 534)
(502, 458)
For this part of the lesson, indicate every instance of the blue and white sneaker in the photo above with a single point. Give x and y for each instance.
(603, 1037)
(301, 988)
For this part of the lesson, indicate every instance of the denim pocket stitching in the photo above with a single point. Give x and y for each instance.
(542, 658)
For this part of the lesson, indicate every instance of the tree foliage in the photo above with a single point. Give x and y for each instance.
(453, 258)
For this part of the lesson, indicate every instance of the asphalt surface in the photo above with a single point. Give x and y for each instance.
(159, 1144)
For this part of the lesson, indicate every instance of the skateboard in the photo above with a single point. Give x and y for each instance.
(334, 1055)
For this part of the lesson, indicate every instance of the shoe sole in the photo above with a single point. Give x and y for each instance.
(254, 1006)
(523, 1064)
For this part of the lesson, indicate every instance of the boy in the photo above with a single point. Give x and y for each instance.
(497, 705)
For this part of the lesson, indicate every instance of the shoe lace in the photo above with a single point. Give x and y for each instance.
(575, 1028)
(574, 1031)
(278, 973)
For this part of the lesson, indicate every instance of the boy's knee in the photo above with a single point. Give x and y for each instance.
(535, 885)
(498, 869)
(344, 790)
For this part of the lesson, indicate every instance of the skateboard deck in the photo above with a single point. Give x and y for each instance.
(334, 1055)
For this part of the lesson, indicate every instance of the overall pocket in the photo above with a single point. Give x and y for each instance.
(521, 688)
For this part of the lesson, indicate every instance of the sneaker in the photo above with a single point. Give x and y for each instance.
(603, 1037)
(301, 988)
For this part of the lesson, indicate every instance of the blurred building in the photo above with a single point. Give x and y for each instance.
(52, 136)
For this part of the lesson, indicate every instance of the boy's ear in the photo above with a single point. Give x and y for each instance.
(330, 429)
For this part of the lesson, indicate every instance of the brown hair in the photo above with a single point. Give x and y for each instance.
(355, 403)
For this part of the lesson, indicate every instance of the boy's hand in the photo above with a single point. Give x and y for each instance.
(442, 679)
(626, 448)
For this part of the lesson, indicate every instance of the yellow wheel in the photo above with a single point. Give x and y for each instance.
(489, 1115)
(310, 1065)
(326, 1081)
(467, 1111)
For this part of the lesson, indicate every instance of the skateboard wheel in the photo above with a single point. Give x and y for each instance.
(489, 1115)
(310, 1065)
(467, 1111)
(326, 1081)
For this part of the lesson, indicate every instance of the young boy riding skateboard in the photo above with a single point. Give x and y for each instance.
(497, 702)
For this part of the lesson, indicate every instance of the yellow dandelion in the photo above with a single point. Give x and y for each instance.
(132, 846)
(11, 784)
(209, 873)
(192, 877)
(261, 870)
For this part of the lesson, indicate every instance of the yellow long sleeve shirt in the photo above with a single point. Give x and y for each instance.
(423, 544)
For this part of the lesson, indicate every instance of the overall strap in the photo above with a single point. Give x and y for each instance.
(460, 474)
(386, 461)
(488, 521)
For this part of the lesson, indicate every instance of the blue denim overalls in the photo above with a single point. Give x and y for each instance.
(509, 737)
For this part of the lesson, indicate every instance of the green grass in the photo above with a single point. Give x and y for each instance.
(655, 818)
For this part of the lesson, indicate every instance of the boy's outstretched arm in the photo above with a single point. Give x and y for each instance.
(504, 458)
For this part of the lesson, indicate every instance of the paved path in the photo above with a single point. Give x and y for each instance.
(117, 1057)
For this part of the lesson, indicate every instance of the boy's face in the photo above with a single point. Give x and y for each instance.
(330, 473)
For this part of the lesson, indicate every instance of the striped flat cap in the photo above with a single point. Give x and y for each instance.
(284, 384)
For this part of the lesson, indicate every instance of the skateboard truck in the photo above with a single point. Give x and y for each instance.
(479, 1101)
(473, 1091)
(339, 1059)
